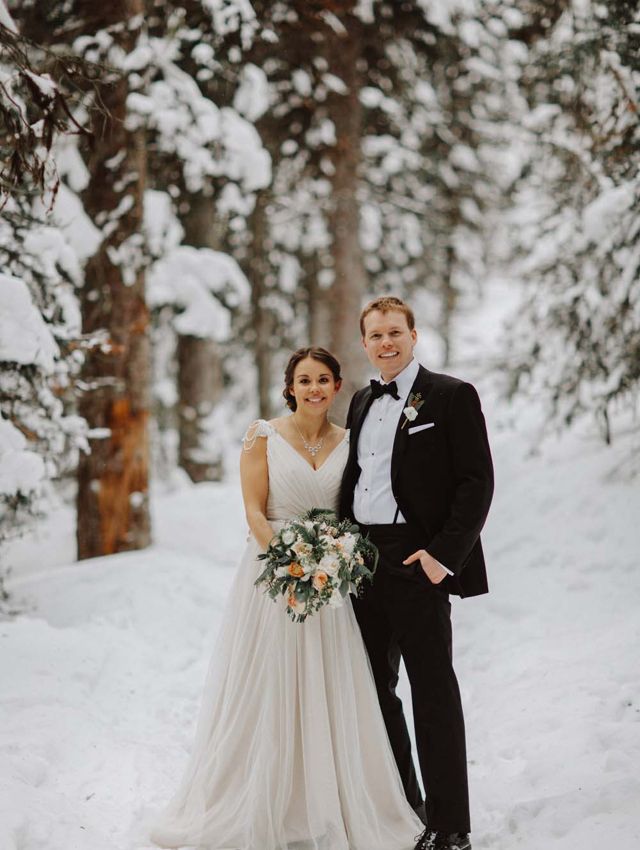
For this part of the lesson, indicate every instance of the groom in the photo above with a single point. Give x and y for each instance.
(419, 481)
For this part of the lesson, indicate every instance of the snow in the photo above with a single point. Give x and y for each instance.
(78, 229)
(102, 671)
(58, 250)
(209, 141)
(227, 16)
(602, 214)
(24, 336)
(5, 18)
(364, 10)
(289, 273)
(334, 22)
(162, 227)
(252, 97)
(21, 471)
(301, 82)
(244, 159)
(189, 278)
(45, 84)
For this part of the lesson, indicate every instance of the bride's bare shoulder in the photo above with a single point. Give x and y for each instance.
(279, 423)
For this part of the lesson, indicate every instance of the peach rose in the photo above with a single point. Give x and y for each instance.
(296, 570)
(319, 580)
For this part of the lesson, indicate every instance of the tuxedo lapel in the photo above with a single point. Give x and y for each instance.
(422, 384)
(361, 404)
(361, 410)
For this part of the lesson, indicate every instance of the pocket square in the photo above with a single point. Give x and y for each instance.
(417, 428)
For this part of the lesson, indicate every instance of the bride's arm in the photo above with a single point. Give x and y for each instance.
(254, 477)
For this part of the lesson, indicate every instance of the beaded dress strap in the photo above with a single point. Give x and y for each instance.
(259, 428)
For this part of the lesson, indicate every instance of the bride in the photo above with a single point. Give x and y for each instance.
(291, 751)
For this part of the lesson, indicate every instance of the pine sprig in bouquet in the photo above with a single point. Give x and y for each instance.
(316, 560)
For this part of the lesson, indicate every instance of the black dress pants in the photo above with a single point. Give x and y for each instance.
(403, 615)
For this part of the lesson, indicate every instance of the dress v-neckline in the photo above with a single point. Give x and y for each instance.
(303, 459)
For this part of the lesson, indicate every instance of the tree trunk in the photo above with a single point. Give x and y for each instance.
(318, 306)
(113, 507)
(449, 301)
(262, 318)
(199, 368)
(350, 282)
(200, 387)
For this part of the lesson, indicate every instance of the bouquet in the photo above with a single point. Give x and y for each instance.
(316, 560)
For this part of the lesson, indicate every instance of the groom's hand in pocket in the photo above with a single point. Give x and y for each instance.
(434, 571)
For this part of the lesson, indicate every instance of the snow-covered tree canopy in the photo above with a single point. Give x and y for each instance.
(576, 215)
(38, 89)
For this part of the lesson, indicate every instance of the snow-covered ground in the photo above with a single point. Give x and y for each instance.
(101, 673)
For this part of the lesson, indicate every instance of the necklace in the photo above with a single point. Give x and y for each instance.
(312, 449)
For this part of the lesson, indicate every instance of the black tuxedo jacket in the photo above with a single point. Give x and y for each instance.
(442, 476)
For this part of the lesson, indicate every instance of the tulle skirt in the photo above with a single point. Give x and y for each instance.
(290, 752)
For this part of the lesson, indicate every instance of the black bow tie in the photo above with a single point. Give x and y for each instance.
(379, 389)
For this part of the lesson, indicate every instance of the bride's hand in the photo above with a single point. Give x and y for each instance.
(433, 570)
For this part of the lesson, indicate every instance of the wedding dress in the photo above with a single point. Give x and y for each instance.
(291, 751)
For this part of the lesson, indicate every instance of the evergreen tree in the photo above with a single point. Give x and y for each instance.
(40, 340)
(577, 344)
(380, 169)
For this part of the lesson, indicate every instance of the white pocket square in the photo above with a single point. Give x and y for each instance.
(417, 428)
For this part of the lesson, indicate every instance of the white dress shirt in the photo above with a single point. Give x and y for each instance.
(373, 499)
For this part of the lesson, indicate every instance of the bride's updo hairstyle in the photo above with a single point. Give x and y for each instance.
(319, 354)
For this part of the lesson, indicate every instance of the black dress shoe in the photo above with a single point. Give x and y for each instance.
(452, 841)
(426, 840)
(430, 840)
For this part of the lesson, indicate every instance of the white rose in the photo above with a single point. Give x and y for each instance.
(348, 542)
(329, 564)
(288, 537)
(302, 549)
(410, 413)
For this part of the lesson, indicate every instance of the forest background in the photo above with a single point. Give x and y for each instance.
(190, 191)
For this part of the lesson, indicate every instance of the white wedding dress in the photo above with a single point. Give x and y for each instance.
(291, 751)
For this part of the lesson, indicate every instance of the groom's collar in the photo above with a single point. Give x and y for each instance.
(405, 379)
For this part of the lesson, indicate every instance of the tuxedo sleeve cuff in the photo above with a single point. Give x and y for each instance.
(447, 571)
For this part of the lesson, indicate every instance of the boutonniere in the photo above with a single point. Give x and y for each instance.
(411, 410)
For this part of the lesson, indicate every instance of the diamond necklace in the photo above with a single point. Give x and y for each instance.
(312, 449)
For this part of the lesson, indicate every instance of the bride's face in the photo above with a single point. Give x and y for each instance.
(314, 386)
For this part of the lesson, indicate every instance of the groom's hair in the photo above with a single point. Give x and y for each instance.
(384, 304)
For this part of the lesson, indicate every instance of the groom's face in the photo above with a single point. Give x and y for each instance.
(388, 342)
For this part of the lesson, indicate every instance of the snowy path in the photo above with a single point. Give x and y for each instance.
(101, 676)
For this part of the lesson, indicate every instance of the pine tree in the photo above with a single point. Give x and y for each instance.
(577, 344)
(113, 504)
(378, 179)
(198, 147)
(40, 339)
